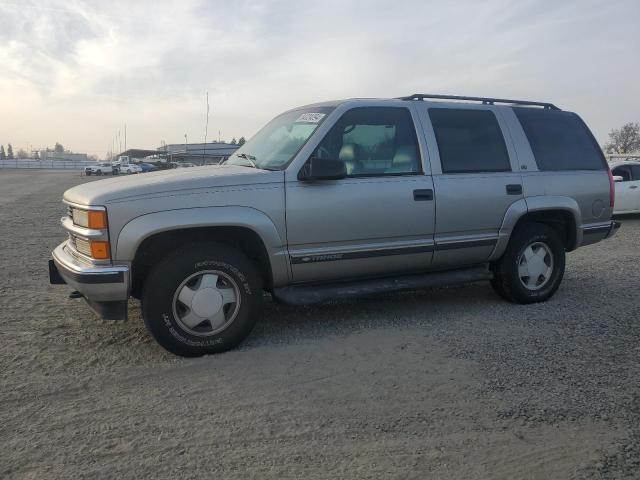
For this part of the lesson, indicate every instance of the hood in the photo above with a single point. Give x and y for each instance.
(122, 187)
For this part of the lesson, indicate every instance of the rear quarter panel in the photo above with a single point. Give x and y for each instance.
(586, 189)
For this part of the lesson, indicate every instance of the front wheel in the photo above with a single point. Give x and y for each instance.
(202, 299)
(532, 267)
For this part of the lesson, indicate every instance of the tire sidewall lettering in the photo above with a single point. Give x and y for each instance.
(229, 268)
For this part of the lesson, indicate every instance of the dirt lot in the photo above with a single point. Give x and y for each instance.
(449, 383)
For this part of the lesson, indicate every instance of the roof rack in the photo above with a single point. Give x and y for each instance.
(484, 100)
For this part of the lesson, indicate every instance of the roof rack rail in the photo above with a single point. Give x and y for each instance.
(484, 100)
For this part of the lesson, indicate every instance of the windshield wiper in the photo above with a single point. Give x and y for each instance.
(249, 158)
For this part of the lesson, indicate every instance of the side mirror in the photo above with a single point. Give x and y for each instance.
(323, 169)
(617, 178)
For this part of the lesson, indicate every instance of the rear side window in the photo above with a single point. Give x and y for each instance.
(560, 140)
(469, 141)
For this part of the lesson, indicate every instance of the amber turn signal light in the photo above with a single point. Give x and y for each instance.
(100, 250)
(97, 219)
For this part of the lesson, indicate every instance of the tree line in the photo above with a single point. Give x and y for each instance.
(22, 153)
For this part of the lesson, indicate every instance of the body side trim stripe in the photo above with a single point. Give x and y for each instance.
(331, 257)
(489, 242)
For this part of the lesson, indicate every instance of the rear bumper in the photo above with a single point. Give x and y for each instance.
(613, 229)
(594, 233)
(105, 287)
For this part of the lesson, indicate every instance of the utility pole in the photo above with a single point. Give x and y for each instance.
(125, 136)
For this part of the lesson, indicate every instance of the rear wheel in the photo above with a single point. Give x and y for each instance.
(532, 267)
(204, 298)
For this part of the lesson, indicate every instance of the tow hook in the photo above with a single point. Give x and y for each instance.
(76, 294)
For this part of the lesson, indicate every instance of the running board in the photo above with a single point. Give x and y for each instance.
(316, 293)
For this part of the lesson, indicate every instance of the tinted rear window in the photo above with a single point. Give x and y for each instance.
(469, 141)
(560, 140)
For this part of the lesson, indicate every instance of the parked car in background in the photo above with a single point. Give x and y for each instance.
(101, 169)
(147, 167)
(130, 168)
(344, 198)
(627, 178)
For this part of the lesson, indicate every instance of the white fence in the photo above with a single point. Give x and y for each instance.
(616, 157)
(47, 164)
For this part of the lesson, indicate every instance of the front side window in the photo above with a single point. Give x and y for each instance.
(275, 145)
(469, 141)
(624, 172)
(373, 141)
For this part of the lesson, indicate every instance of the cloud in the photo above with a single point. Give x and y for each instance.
(75, 71)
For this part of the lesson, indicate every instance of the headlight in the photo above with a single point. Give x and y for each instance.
(94, 219)
(97, 246)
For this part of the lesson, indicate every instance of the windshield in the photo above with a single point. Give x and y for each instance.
(273, 147)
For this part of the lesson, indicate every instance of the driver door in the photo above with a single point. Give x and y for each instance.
(379, 219)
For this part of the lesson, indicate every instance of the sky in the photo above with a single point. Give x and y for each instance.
(76, 72)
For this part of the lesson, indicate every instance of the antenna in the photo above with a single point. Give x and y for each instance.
(206, 130)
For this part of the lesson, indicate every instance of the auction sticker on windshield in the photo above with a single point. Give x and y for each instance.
(310, 117)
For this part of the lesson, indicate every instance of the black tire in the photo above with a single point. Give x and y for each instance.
(99, 172)
(88, 172)
(162, 284)
(507, 282)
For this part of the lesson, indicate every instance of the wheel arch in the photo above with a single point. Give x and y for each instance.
(559, 212)
(145, 239)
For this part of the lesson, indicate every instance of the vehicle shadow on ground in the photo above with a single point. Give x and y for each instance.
(428, 309)
(285, 324)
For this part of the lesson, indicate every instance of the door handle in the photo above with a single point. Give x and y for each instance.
(633, 186)
(514, 189)
(423, 195)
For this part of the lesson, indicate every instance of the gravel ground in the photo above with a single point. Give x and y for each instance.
(447, 383)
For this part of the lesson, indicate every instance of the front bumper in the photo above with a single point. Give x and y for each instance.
(105, 287)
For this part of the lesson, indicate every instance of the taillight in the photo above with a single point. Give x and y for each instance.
(612, 190)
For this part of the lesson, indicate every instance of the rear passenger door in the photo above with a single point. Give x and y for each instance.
(475, 180)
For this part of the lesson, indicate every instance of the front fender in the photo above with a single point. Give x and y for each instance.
(140, 228)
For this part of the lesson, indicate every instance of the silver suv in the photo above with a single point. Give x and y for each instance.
(339, 199)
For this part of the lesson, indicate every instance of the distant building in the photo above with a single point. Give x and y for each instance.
(76, 157)
(197, 153)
